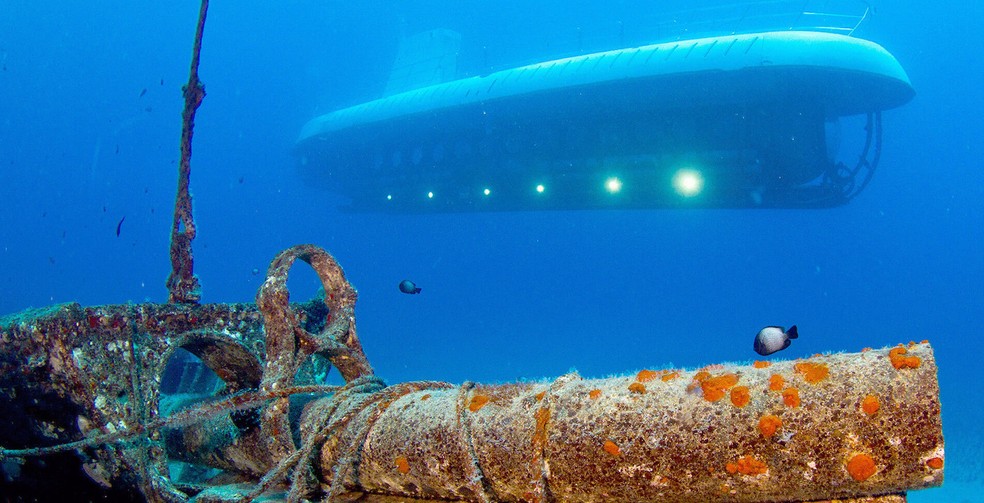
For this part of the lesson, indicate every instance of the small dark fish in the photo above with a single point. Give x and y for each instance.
(772, 339)
(407, 286)
(162, 82)
(117, 149)
(148, 109)
(142, 92)
(119, 226)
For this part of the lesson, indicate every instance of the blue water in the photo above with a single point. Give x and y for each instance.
(90, 107)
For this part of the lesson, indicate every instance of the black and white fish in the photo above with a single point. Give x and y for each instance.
(772, 339)
(407, 286)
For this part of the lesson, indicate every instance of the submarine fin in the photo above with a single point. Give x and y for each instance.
(425, 59)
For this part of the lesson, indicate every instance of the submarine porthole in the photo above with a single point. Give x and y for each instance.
(688, 182)
(613, 184)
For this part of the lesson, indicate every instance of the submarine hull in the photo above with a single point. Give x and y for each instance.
(747, 113)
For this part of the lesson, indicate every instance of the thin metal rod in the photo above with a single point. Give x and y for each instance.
(182, 284)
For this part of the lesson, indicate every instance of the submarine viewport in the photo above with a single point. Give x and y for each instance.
(688, 182)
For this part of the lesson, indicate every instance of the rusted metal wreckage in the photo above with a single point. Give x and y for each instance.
(83, 413)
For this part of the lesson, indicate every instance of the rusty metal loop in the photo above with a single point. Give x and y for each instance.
(289, 344)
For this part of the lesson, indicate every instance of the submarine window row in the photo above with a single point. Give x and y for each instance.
(686, 182)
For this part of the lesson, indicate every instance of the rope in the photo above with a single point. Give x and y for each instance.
(480, 484)
(187, 417)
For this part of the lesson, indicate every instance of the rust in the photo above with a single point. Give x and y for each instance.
(182, 284)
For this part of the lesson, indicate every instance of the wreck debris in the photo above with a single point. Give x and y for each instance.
(552, 442)
(182, 284)
(569, 439)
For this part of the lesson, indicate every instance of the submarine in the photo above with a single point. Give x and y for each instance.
(742, 120)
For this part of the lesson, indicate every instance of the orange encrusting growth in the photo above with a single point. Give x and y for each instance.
(637, 387)
(897, 356)
(935, 463)
(870, 405)
(477, 402)
(611, 448)
(861, 466)
(812, 372)
(646, 375)
(791, 397)
(594, 394)
(769, 424)
(715, 387)
(776, 382)
(760, 364)
(740, 396)
(542, 416)
(670, 376)
(699, 377)
(747, 465)
(539, 396)
(402, 465)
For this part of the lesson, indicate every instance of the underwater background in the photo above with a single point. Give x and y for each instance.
(90, 102)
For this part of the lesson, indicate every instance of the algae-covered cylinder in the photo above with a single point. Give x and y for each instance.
(847, 425)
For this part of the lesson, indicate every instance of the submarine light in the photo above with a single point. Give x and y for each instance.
(486, 192)
(389, 197)
(540, 188)
(688, 182)
(430, 195)
(613, 184)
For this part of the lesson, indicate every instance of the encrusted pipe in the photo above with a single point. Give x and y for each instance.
(851, 425)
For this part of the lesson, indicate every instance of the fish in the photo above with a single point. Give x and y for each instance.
(772, 339)
(407, 286)
(119, 226)
(142, 92)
